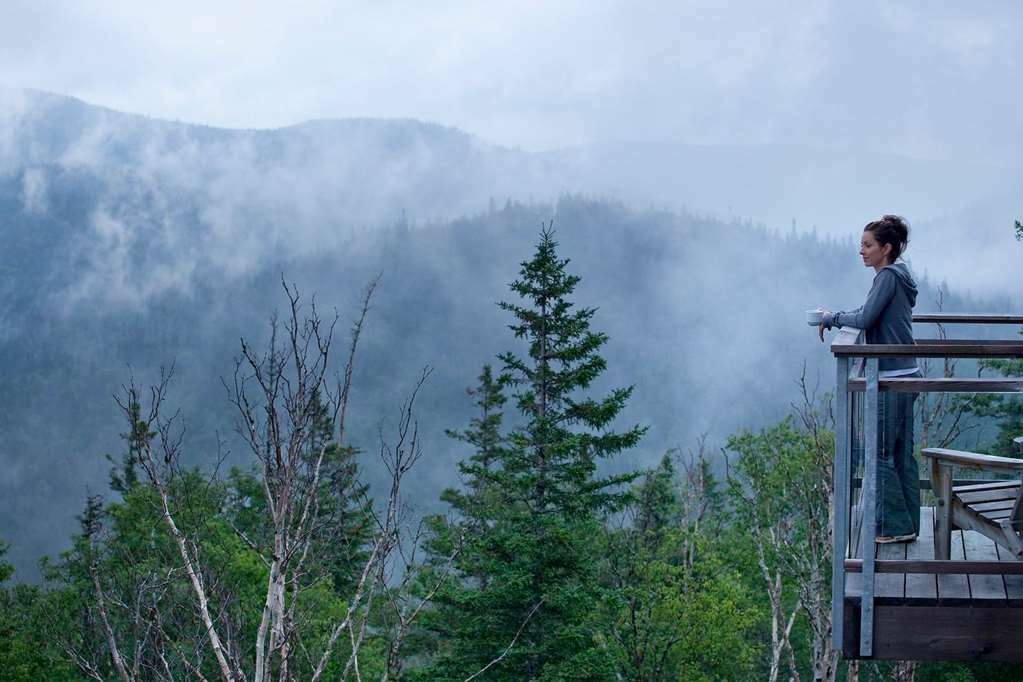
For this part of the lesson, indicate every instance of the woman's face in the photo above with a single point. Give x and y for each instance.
(874, 255)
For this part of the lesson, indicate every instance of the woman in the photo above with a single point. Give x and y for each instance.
(887, 317)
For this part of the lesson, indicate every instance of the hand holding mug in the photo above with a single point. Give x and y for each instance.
(820, 322)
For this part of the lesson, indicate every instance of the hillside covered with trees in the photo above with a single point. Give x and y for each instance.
(542, 564)
(369, 399)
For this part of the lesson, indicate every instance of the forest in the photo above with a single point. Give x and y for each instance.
(374, 399)
(545, 562)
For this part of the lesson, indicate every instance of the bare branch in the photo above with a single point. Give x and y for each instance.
(504, 653)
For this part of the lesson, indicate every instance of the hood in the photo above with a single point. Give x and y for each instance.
(901, 270)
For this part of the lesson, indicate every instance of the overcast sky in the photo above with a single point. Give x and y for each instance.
(914, 78)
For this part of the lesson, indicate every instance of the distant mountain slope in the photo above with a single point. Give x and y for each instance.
(130, 243)
(257, 191)
(705, 319)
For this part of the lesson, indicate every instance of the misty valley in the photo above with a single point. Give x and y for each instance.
(370, 399)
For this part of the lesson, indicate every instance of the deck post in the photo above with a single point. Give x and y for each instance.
(868, 530)
(943, 514)
(840, 502)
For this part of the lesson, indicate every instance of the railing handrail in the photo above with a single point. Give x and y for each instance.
(941, 385)
(967, 318)
(931, 348)
(939, 566)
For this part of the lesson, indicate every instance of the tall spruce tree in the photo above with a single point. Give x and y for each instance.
(484, 435)
(525, 595)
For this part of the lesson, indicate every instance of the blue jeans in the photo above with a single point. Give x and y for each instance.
(898, 473)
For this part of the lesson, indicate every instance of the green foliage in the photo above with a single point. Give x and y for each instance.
(29, 615)
(549, 466)
(488, 444)
(674, 609)
(1007, 410)
(6, 570)
(967, 672)
(526, 583)
(125, 562)
(780, 492)
(780, 483)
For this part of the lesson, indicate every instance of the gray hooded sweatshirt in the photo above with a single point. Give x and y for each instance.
(887, 315)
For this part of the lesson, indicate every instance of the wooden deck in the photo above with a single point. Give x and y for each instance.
(940, 616)
(968, 607)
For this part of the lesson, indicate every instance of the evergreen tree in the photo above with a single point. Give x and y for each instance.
(124, 477)
(484, 435)
(27, 652)
(6, 570)
(1006, 409)
(526, 592)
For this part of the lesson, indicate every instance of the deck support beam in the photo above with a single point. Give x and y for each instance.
(868, 530)
(840, 503)
(936, 633)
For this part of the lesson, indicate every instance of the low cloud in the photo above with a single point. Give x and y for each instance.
(927, 81)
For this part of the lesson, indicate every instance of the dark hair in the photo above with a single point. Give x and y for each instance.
(890, 229)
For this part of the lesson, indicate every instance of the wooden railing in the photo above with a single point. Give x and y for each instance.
(857, 373)
(967, 318)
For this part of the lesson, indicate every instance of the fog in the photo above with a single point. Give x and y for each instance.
(914, 79)
(708, 171)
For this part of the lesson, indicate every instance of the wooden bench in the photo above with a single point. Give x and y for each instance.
(993, 509)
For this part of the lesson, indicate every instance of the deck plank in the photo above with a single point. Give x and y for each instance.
(969, 488)
(890, 586)
(993, 495)
(1013, 583)
(954, 588)
(923, 586)
(942, 588)
(974, 617)
(997, 505)
(983, 587)
(996, 516)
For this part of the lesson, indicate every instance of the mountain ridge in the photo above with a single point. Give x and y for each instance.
(364, 173)
(175, 255)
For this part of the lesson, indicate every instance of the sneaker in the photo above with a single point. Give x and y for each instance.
(888, 539)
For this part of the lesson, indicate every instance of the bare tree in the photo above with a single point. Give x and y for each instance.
(279, 395)
(398, 461)
(284, 395)
(782, 483)
(813, 567)
(942, 416)
(406, 606)
(158, 454)
(694, 495)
